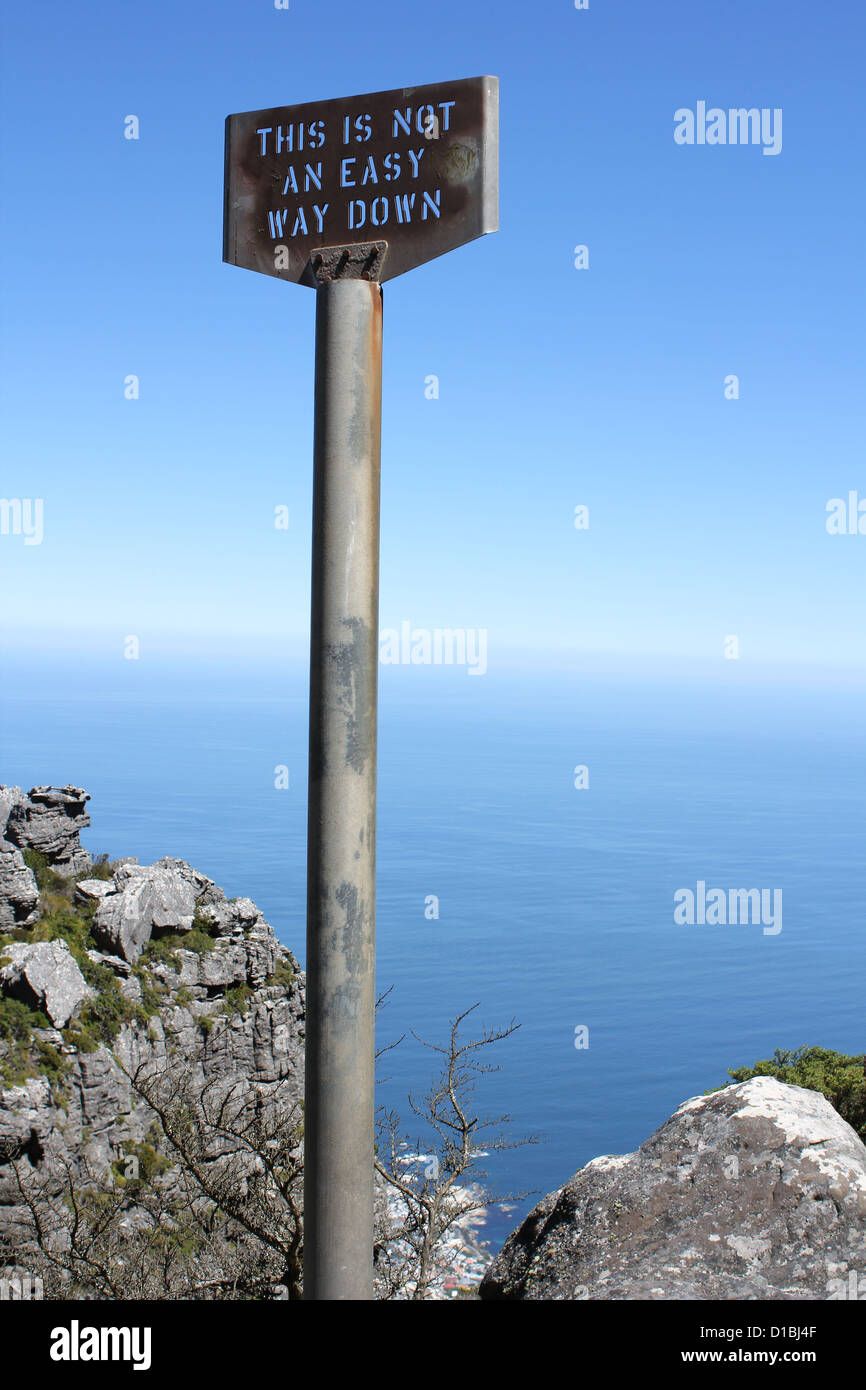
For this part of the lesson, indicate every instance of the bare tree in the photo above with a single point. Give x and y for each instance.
(212, 1207)
(218, 1215)
(240, 1151)
(89, 1239)
(421, 1209)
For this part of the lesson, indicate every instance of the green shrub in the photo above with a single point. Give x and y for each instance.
(51, 1064)
(283, 975)
(153, 991)
(200, 938)
(237, 1000)
(102, 1018)
(63, 922)
(197, 940)
(16, 1067)
(17, 1021)
(101, 868)
(204, 930)
(162, 949)
(61, 918)
(99, 977)
(46, 877)
(152, 995)
(840, 1078)
(150, 1164)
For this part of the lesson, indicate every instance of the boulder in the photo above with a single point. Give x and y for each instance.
(116, 964)
(9, 797)
(757, 1191)
(151, 899)
(215, 970)
(46, 976)
(49, 820)
(123, 922)
(199, 882)
(19, 895)
(174, 893)
(89, 890)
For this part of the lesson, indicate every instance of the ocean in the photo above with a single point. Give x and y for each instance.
(502, 884)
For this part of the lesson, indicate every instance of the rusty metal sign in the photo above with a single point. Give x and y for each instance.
(368, 186)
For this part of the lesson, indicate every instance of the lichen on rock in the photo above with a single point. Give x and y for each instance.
(757, 1191)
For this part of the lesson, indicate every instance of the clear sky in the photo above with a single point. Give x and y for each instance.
(558, 387)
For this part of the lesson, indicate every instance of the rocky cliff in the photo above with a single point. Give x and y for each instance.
(151, 1078)
(114, 971)
(47, 823)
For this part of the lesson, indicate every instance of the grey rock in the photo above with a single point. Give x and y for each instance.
(174, 894)
(46, 976)
(88, 890)
(198, 1032)
(151, 899)
(198, 881)
(23, 1121)
(50, 820)
(116, 963)
(225, 966)
(144, 900)
(242, 922)
(9, 797)
(123, 921)
(259, 1046)
(755, 1192)
(131, 989)
(19, 895)
(223, 919)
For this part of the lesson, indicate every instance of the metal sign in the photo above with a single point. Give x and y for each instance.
(341, 195)
(403, 176)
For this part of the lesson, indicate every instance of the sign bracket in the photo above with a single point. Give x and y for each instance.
(363, 261)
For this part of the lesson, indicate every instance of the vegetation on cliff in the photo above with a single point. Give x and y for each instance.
(840, 1078)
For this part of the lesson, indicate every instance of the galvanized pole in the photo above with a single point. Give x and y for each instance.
(341, 844)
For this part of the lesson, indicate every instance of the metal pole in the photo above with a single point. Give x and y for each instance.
(341, 839)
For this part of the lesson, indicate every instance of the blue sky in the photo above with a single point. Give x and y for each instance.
(558, 387)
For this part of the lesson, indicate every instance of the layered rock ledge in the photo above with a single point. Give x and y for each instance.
(113, 969)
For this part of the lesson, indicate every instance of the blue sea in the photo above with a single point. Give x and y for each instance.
(555, 905)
